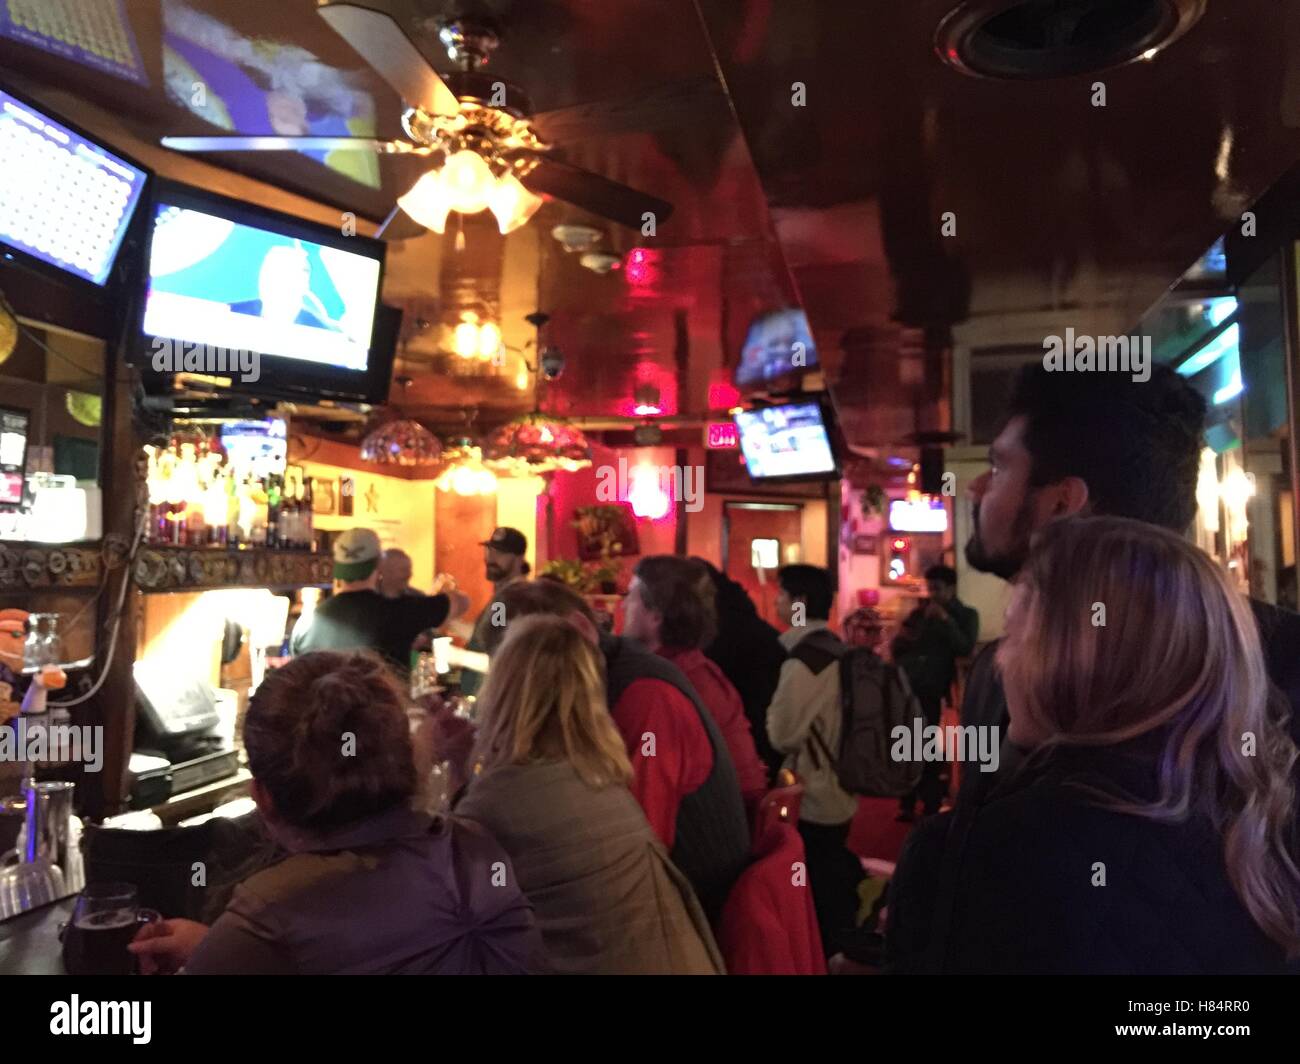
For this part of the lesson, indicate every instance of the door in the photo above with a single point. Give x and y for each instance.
(757, 538)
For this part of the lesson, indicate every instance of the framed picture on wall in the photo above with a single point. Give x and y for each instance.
(322, 495)
(347, 490)
(605, 530)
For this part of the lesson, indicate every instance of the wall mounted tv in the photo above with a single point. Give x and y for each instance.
(65, 201)
(787, 442)
(926, 514)
(299, 302)
(778, 345)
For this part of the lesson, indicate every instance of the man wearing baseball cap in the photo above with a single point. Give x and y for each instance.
(357, 617)
(503, 558)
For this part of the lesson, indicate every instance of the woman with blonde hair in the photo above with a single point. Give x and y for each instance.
(550, 784)
(1150, 830)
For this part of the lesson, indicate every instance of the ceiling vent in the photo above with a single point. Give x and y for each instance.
(1033, 39)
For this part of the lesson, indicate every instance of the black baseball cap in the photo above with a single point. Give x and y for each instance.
(508, 541)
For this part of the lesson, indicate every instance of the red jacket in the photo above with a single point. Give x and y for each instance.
(723, 701)
(680, 760)
(769, 925)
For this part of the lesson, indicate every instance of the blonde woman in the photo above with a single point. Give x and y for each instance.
(550, 783)
(1151, 828)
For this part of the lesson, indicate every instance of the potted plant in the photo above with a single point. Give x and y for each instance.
(604, 575)
(604, 530)
(567, 571)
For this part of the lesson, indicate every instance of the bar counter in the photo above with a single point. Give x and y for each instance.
(29, 944)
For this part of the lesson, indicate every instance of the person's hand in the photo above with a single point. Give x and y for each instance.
(163, 947)
(443, 736)
(459, 603)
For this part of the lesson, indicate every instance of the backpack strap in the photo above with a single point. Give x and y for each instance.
(816, 651)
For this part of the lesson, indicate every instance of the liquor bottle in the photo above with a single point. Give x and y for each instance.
(175, 518)
(232, 508)
(308, 521)
(288, 515)
(299, 518)
(258, 489)
(293, 533)
(273, 529)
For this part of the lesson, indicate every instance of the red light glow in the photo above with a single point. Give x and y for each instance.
(722, 435)
(646, 494)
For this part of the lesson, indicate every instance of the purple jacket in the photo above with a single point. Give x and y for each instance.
(402, 893)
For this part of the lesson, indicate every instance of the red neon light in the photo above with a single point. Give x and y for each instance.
(722, 436)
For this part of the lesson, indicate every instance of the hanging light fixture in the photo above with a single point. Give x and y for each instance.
(402, 441)
(8, 333)
(535, 444)
(466, 474)
(472, 338)
(538, 443)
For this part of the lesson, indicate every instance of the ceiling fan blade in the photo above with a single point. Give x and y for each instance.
(399, 226)
(380, 41)
(236, 143)
(598, 195)
(699, 99)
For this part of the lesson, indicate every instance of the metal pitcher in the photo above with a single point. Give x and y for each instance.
(46, 864)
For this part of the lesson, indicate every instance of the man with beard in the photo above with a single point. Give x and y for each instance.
(503, 560)
(1101, 443)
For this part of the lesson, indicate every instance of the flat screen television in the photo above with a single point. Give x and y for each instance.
(778, 345)
(238, 285)
(65, 201)
(925, 514)
(260, 447)
(787, 442)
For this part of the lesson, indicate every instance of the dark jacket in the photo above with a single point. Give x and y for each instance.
(985, 704)
(927, 648)
(400, 894)
(1015, 885)
(711, 841)
(748, 650)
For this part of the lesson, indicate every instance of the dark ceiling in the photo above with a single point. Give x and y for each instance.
(837, 204)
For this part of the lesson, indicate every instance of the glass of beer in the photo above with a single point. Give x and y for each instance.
(104, 921)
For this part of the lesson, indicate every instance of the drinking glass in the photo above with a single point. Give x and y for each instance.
(104, 921)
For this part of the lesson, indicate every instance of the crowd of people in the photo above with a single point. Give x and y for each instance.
(606, 806)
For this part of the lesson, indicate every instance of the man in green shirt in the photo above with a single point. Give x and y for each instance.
(357, 617)
(935, 634)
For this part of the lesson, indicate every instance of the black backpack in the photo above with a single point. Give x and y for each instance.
(875, 698)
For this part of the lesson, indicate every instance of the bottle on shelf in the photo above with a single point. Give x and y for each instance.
(308, 521)
(273, 507)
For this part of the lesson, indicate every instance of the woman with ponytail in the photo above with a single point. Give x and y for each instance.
(370, 886)
(1151, 829)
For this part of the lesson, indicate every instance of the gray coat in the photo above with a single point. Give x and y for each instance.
(606, 896)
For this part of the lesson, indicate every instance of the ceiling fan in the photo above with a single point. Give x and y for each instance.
(473, 127)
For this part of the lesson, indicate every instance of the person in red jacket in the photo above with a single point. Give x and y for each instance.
(669, 608)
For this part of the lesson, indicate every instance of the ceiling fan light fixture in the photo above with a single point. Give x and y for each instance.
(512, 204)
(468, 182)
(427, 202)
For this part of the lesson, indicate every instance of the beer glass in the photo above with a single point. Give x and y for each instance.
(104, 921)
